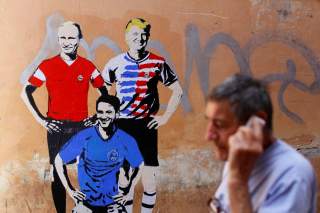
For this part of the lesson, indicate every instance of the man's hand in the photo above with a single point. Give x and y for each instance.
(121, 198)
(51, 125)
(76, 195)
(157, 121)
(90, 121)
(245, 146)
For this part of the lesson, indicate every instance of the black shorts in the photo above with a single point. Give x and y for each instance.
(57, 139)
(147, 139)
(105, 209)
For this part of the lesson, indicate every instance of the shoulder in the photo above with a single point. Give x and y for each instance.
(292, 165)
(49, 61)
(115, 61)
(117, 58)
(294, 158)
(124, 137)
(86, 133)
(293, 182)
(85, 62)
(153, 56)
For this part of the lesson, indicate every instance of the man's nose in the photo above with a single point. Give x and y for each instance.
(101, 116)
(211, 133)
(66, 42)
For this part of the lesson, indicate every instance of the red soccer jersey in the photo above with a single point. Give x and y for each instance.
(67, 86)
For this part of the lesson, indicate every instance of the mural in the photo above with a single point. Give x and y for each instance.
(136, 74)
(201, 56)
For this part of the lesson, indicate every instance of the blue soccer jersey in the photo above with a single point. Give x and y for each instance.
(99, 162)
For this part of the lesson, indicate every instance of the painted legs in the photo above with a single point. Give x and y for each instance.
(149, 187)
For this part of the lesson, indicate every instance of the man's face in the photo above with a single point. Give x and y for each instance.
(221, 124)
(136, 38)
(68, 37)
(105, 114)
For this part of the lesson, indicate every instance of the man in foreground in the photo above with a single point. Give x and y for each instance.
(262, 173)
(101, 150)
(67, 77)
(136, 74)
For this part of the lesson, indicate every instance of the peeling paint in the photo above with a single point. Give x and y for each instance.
(180, 172)
(311, 149)
(40, 165)
(288, 12)
(198, 169)
(7, 174)
(4, 184)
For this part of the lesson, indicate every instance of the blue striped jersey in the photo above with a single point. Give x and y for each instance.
(136, 83)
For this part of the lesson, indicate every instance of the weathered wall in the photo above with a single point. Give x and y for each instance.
(205, 41)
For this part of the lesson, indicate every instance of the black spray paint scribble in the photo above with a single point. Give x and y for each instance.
(202, 58)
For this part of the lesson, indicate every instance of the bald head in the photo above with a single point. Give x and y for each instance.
(69, 35)
(68, 25)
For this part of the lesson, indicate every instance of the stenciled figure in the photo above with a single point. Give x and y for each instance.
(262, 173)
(136, 74)
(101, 150)
(67, 77)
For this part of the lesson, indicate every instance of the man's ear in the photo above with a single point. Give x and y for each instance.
(148, 36)
(117, 115)
(263, 115)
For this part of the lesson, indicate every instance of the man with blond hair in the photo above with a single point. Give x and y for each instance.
(136, 74)
(67, 78)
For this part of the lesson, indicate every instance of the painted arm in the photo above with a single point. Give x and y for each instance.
(27, 97)
(76, 195)
(108, 74)
(108, 88)
(126, 187)
(171, 108)
(135, 177)
(103, 90)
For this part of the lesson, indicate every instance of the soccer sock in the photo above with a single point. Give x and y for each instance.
(123, 184)
(129, 206)
(148, 201)
(129, 203)
(149, 186)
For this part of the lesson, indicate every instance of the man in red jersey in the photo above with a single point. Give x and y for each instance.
(67, 78)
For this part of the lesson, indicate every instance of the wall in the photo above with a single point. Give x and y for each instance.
(205, 41)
